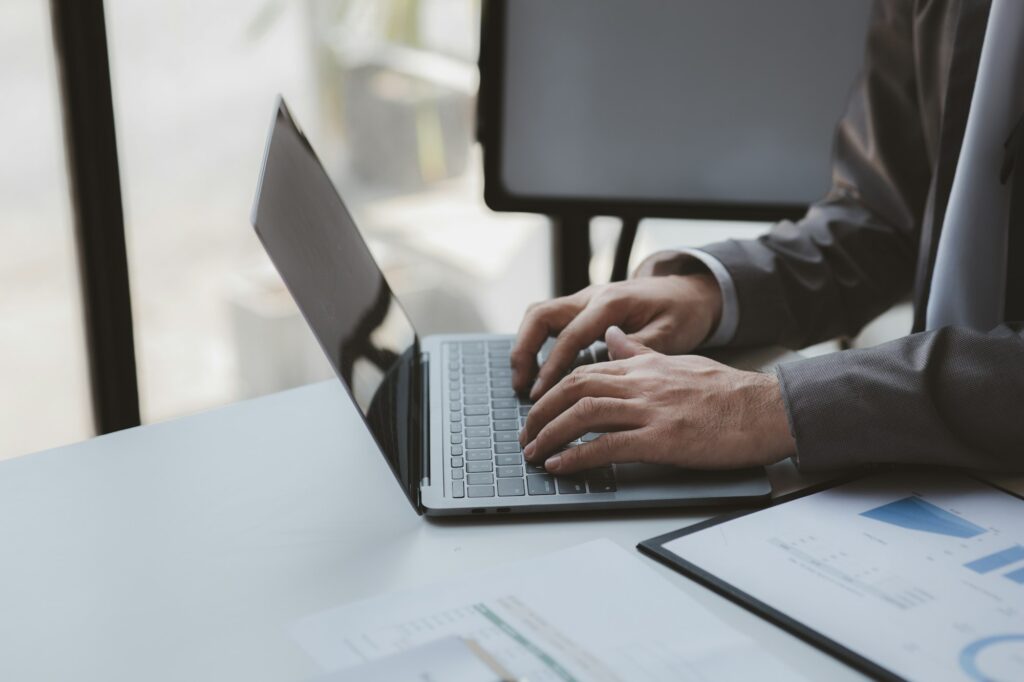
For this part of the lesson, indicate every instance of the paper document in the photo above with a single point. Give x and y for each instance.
(922, 574)
(449, 659)
(591, 612)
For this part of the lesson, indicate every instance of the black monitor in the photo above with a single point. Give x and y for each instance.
(680, 108)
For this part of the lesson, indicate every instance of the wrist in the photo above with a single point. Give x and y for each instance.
(706, 295)
(771, 435)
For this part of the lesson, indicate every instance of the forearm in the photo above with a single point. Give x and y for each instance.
(826, 276)
(951, 397)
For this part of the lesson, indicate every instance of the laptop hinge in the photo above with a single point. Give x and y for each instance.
(424, 369)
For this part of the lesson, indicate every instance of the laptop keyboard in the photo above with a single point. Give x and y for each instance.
(484, 418)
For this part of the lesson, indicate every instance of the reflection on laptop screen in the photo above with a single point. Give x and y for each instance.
(316, 247)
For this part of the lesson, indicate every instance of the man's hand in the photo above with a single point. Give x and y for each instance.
(671, 314)
(686, 410)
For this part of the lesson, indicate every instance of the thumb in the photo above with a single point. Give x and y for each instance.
(621, 346)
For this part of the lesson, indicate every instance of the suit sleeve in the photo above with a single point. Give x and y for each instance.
(853, 254)
(951, 397)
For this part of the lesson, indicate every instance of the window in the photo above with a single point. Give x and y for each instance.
(44, 393)
(385, 91)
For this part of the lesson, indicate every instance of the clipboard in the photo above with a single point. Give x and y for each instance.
(656, 548)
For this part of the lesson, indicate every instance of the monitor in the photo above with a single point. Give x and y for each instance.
(681, 108)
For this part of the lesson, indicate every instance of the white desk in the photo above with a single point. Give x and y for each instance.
(180, 551)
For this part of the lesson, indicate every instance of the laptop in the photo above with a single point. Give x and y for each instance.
(441, 408)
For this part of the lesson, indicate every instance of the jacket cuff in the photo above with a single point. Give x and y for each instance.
(725, 331)
(758, 293)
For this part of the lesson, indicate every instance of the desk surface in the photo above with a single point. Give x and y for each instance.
(182, 550)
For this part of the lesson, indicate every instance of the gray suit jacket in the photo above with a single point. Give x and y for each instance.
(950, 396)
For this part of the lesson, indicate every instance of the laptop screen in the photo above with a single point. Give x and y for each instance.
(326, 265)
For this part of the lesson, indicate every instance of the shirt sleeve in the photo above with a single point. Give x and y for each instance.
(726, 329)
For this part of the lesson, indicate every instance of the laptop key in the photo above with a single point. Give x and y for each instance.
(478, 420)
(602, 487)
(600, 474)
(509, 472)
(455, 427)
(541, 485)
(480, 491)
(457, 462)
(478, 455)
(502, 382)
(472, 410)
(456, 416)
(503, 392)
(474, 379)
(524, 410)
(506, 437)
(458, 489)
(478, 467)
(478, 442)
(476, 400)
(501, 373)
(480, 479)
(588, 437)
(475, 389)
(570, 485)
(506, 425)
(456, 450)
(535, 469)
(504, 403)
(456, 438)
(508, 460)
(511, 487)
(507, 448)
(474, 369)
(458, 474)
(478, 432)
(504, 414)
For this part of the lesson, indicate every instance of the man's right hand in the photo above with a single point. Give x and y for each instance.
(671, 314)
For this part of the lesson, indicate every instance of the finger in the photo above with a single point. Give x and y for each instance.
(621, 346)
(589, 415)
(565, 394)
(617, 447)
(583, 330)
(540, 322)
(608, 367)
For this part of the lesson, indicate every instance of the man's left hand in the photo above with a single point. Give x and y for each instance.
(684, 410)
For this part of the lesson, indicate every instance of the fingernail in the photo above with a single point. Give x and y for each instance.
(553, 463)
(535, 391)
(529, 450)
(522, 438)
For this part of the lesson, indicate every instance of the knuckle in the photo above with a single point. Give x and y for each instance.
(577, 381)
(588, 406)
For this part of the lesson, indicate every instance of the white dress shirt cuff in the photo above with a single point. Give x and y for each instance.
(727, 325)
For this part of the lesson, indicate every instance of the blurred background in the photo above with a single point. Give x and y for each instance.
(385, 89)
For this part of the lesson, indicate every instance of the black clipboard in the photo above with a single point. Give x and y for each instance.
(654, 548)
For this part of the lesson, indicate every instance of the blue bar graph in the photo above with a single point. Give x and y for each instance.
(1016, 576)
(917, 514)
(1001, 559)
